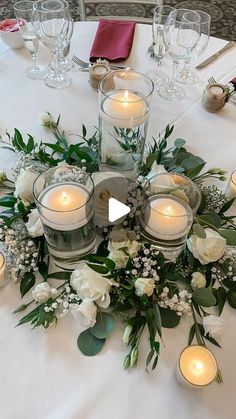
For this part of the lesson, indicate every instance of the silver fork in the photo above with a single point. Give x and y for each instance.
(83, 64)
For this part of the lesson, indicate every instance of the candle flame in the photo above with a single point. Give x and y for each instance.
(126, 97)
(64, 197)
(198, 367)
(168, 210)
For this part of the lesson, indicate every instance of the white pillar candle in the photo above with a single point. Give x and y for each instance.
(124, 109)
(166, 218)
(64, 206)
(231, 187)
(196, 367)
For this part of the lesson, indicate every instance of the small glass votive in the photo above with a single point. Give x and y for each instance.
(124, 108)
(196, 367)
(64, 196)
(231, 187)
(4, 275)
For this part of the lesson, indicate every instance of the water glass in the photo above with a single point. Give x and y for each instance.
(23, 12)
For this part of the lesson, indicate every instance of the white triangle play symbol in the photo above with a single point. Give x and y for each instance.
(116, 210)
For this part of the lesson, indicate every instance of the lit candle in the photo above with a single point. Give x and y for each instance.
(64, 206)
(124, 109)
(166, 217)
(231, 187)
(197, 367)
(3, 274)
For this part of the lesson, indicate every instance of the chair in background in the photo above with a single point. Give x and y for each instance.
(138, 11)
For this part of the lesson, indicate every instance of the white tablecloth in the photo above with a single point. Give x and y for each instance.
(43, 375)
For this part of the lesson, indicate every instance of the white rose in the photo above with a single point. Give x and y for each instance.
(163, 183)
(90, 285)
(198, 280)
(118, 240)
(156, 169)
(133, 248)
(34, 224)
(209, 249)
(213, 325)
(24, 184)
(42, 292)
(119, 257)
(144, 286)
(45, 119)
(108, 185)
(85, 313)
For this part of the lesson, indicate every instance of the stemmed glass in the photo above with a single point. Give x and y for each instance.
(186, 75)
(51, 24)
(181, 34)
(64, 63)
(23, 12)
(160, 15)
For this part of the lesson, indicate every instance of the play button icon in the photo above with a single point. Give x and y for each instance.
(116, 210)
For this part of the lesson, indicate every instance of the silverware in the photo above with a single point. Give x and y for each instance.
(213, 57)
(85, 65)
(211, 80)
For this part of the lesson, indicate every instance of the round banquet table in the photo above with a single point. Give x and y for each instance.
(43, 375)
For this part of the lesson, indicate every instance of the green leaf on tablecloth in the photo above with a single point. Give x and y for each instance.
(26, 283)
(61, 275)
(191, 334)
(229, 235)
(30, 144)
(221, 298)
(18, 141)
(8, 201)
(179, 142)
(169, 318)
(105, 323)
(20, 308)
(43, 269)
(88, 344)
(209, 219)
(30, 317)
(199, 231)
(204, 297)
(231, 297)
(226, 206)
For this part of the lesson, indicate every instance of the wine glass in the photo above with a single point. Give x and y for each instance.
(181, 33)
(186, 75)
(64, 63)
(160, 15)
(51, 24)
(23, 12)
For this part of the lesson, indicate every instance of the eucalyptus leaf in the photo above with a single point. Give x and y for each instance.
(204, 297)
(199, 231)
(88, 344)
(179, 142)
(169, 318)
(105, 323)
(191, 162)
(229, 235)
(210, 219)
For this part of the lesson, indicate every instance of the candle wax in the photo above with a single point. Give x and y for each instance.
(167, 218)
(124, 109)
(198, 365)
(64, 206)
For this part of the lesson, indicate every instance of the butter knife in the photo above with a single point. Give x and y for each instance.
(213, 57)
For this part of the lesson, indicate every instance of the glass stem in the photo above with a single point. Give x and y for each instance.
(187, 65)
(35, 60)
(55, 62)
(173, 78)
(158, 67)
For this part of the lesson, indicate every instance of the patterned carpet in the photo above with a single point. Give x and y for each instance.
(223, 12)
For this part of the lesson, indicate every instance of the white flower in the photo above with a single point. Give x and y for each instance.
(144, 286)
(34, 224)
(133, 248)
(209, 249)
(42, 292)
(85, 313)
(107, 185)
(213, 325)
(45, 119)
(90, 285)
(163, 183)
(127, 334)
(118, 239)
(119, 257)
(24, 184)
(198, 280)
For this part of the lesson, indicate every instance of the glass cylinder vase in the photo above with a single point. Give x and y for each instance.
(124, 103)
(64, 197)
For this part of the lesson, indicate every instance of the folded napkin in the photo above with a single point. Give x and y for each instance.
(11, 25)
(113, 40)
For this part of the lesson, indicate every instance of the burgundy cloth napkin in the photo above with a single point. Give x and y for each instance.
(113, 40)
